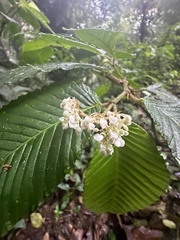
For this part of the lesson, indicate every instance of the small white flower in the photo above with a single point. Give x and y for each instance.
(72, 122)
(103, 149)
(66, 113)
(106, 149)
(91, 126)
(113, 134)
(127, 120)
(103, 123)
(119, 142)
(67, 108)
(64, 102)
(87, 123)
(121, 132)
(61, 119)
(109, 113)
(126, 133)
(113, 120)
(96, 129)
(98, 137)
(125, 127)
(110, 150)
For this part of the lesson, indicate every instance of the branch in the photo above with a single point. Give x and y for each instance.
(126, 90)
(114, 79)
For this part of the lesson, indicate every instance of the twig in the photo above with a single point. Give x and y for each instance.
(119, 221)
(126, 90)
(113, 103)
(114, 79)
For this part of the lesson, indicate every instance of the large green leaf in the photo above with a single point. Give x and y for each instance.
(23, 72)
(165, 110)
(100, 38)
(45, 40)
(39, 151)
(131, 179)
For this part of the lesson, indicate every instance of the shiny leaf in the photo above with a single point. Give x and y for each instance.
(45, 40)
(20, 73)
(35, 152)
(131, 179)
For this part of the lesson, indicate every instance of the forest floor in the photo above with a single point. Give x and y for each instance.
(76, 222)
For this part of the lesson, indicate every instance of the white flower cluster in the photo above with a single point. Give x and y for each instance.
(108, 129)
(71, 118)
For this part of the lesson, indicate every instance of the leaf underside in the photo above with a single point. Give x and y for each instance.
(166, 113)
(131, 179)
(39, 151)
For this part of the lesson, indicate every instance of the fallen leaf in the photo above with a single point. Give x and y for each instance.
(141, 233)
(168, 223)
(36, 220)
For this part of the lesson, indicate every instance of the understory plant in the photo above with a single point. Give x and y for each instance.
(44, 132)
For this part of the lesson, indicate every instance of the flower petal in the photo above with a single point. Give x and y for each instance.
(98, 137)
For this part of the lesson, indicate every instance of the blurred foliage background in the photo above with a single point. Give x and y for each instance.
(150, 30)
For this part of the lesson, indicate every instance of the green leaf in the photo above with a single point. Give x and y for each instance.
(37, 56)
(131, 179)
(100, 38)
(24, 72)
(29, 18)
(39, 151)
(33, 8)
(45, 40)
(102, 89)
(165, 110)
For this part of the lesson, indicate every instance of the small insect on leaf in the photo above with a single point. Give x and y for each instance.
(6, 167)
